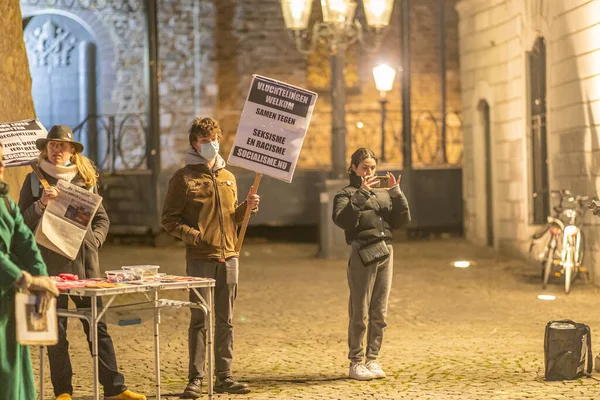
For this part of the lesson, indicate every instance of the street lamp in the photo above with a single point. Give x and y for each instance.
(338, 29)
(384, 80)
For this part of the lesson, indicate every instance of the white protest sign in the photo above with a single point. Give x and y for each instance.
(18, 141)
(272, 128)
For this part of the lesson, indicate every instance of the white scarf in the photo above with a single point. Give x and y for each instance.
(66, 173)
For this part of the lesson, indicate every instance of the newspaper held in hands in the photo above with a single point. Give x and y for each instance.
(66, 219)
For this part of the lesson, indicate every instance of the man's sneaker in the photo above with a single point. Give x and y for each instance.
(375, 369)
(193, 390)
(360, 372)
(230, 385)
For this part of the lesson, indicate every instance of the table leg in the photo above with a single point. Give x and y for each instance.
(209, 334)
(94, 338)
(42, 372)
(156, 344)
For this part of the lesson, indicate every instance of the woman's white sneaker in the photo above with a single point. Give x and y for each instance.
(360, 372)
(375, 370)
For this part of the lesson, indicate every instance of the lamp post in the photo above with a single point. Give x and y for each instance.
(338, 29)
(384, 81)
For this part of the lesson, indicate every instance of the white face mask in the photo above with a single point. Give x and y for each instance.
(209, 151)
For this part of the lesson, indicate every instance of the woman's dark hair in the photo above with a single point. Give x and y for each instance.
(359, 156)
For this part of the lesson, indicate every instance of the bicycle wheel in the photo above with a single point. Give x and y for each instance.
(570, 269)
(579, 255)
(568, 273)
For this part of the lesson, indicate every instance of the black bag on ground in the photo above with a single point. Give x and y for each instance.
(566, 346)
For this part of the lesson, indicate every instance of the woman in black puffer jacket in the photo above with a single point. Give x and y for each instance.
(368, 214)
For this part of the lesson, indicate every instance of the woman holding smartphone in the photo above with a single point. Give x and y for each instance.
(368, 214)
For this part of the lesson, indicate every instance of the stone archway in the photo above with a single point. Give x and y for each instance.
(62, 61)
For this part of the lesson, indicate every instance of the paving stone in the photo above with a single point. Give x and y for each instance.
(452, 333)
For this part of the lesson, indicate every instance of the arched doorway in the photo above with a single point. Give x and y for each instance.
(62, 62)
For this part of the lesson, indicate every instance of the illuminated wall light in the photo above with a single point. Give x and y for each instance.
(461, 264)
(360, 125)
(546, 297)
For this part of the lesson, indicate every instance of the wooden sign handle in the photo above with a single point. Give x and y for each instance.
(38, 173)
(253, 190)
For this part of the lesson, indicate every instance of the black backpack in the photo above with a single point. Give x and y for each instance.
(566, 346)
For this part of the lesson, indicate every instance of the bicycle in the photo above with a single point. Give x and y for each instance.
(564, 250)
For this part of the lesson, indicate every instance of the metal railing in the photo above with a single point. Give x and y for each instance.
(119, 142)
(116, 141)
(428, 144)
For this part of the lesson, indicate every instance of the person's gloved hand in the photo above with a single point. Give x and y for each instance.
(42, 301)
(37, 284)
(43, 287)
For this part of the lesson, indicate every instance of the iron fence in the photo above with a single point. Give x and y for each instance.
(119, 142)
(429, 146)
(115, 142)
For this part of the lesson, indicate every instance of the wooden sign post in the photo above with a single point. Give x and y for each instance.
(253, 190)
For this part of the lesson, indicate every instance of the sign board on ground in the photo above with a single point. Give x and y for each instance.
(18, 141)
(272, 128)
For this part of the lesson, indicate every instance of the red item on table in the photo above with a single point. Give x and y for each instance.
(68, 277)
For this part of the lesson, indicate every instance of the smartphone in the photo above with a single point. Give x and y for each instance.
(383, 181)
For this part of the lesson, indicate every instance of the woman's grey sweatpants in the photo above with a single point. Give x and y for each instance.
(369, 292)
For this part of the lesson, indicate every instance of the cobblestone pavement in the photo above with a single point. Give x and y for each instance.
(473, 333)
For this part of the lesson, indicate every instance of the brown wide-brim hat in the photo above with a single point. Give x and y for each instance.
(59, 133)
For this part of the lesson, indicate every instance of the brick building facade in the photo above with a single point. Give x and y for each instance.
(209, 50)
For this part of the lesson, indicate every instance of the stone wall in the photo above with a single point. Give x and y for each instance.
(494, 40)
(15, 82)
(186, 64)
(209, 49)
(252, 39)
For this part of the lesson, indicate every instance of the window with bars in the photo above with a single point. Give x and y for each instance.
(539, 149)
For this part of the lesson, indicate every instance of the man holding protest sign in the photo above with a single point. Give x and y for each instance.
(202, 210)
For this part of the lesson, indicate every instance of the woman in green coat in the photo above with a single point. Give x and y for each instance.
(21, 267)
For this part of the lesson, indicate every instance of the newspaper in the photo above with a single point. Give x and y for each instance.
(66, 219)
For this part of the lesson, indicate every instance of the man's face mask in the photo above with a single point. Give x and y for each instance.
(209, 150)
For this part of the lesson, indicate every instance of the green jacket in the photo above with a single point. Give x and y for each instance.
(18, 251)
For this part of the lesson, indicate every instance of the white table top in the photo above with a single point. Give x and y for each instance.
(138, 288)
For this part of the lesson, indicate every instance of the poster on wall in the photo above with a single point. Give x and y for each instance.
(272, 128)
(18, 141)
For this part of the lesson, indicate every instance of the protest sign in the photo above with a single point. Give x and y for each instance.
(18, 141)
(271, 131)
(272, 128)
(66, 219)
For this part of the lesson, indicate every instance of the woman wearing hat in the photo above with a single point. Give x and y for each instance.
(21, 268)
(61, 158)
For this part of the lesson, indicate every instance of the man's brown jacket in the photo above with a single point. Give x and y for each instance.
(201, 209)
